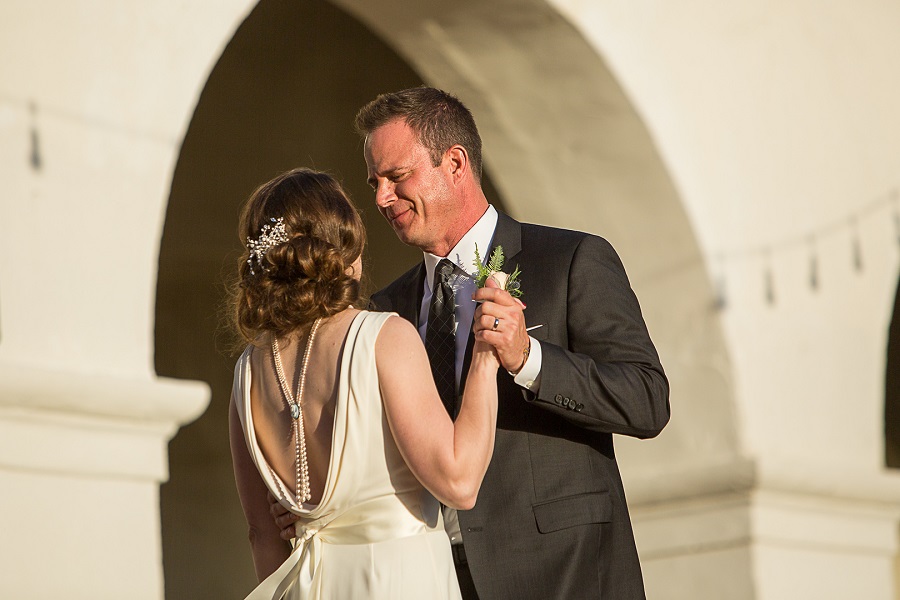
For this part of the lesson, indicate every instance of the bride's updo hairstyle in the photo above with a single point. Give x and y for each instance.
(301, 235)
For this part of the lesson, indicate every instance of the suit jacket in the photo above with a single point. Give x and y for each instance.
(551, 519)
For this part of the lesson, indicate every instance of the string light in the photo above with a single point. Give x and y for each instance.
(769, 280)
(857, 247)
(851, 222)
(813, 265)
(721, 290)
(35, 153)
(848, 225)
(87, 121)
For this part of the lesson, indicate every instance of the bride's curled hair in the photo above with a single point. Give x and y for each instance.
(304, 270)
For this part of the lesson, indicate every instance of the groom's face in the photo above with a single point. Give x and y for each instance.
(413, 195)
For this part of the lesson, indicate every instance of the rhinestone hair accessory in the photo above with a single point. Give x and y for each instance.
(269, 237)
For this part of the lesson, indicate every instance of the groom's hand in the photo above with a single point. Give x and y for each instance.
(509, 337)
(284, 518)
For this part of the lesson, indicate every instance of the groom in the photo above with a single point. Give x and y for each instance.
(551, 519)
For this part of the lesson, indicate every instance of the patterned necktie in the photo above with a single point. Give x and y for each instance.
(440, 342)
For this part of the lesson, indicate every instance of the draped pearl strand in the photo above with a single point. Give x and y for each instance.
(301, 463)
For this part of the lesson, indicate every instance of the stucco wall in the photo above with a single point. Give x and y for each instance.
(778, 123)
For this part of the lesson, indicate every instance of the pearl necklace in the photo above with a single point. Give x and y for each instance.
(303, 493)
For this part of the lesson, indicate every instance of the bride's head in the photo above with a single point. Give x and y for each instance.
(303, 239)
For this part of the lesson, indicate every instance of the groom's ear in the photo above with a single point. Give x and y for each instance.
(458, 161)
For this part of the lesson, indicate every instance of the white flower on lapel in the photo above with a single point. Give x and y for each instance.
(493, 270)
(500, 278)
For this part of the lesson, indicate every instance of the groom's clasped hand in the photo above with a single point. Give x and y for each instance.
(500, 321)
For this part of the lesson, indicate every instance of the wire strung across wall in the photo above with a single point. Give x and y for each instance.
(767, 252)
(31, 107)
(848, 225)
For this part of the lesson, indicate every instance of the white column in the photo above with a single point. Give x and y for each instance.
(94, 100)
(81, 460)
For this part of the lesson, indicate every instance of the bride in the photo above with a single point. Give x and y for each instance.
(335, 413)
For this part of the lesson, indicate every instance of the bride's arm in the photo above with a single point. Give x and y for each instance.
(450, 459)
(268, 549)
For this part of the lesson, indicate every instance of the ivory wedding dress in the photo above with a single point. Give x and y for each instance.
(377, 533)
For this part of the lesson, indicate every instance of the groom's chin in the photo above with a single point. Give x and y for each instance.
(404, 235)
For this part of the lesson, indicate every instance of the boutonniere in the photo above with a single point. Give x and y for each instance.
(506, 281)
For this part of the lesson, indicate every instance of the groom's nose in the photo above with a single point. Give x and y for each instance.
(384, 193)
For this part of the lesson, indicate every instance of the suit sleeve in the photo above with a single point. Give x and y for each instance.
(609, 377)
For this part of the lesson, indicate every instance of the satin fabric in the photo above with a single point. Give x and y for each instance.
(377, 533)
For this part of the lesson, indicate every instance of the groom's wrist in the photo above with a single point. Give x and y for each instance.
(525, 354)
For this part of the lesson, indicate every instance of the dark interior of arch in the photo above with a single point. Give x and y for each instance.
(282, 95)
(892, 390)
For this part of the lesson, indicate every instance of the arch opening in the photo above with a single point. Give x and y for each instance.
(563, 145)
(892, 390)
(283, 94)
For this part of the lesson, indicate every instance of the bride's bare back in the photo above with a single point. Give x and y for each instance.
(271, 415)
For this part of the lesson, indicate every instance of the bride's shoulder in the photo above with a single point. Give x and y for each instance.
(391, 320)
(394, 331)
(377, 317)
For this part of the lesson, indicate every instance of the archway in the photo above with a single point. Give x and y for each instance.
(562, 142)
(566, 147)
(283, 94)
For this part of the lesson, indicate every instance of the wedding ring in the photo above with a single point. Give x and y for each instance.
(496, 324)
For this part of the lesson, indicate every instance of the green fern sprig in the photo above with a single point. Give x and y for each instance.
(481, 272)
(495, 264)
(497, 258)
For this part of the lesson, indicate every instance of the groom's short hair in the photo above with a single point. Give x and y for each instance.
(439, 119)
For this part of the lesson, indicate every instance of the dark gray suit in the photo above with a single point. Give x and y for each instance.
(551, 519)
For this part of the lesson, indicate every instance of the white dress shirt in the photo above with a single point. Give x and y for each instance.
(463, 256)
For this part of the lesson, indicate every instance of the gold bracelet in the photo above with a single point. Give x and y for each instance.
(525, 354)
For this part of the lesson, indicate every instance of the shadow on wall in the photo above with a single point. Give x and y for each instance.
(283, 94)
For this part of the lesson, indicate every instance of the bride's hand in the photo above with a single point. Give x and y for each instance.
(485, 354)
(500, 322)
(283, 518)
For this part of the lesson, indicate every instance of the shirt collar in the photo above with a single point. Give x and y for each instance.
(463, 253)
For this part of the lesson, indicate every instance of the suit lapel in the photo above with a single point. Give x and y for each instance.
(408, 299)
(508, 235)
